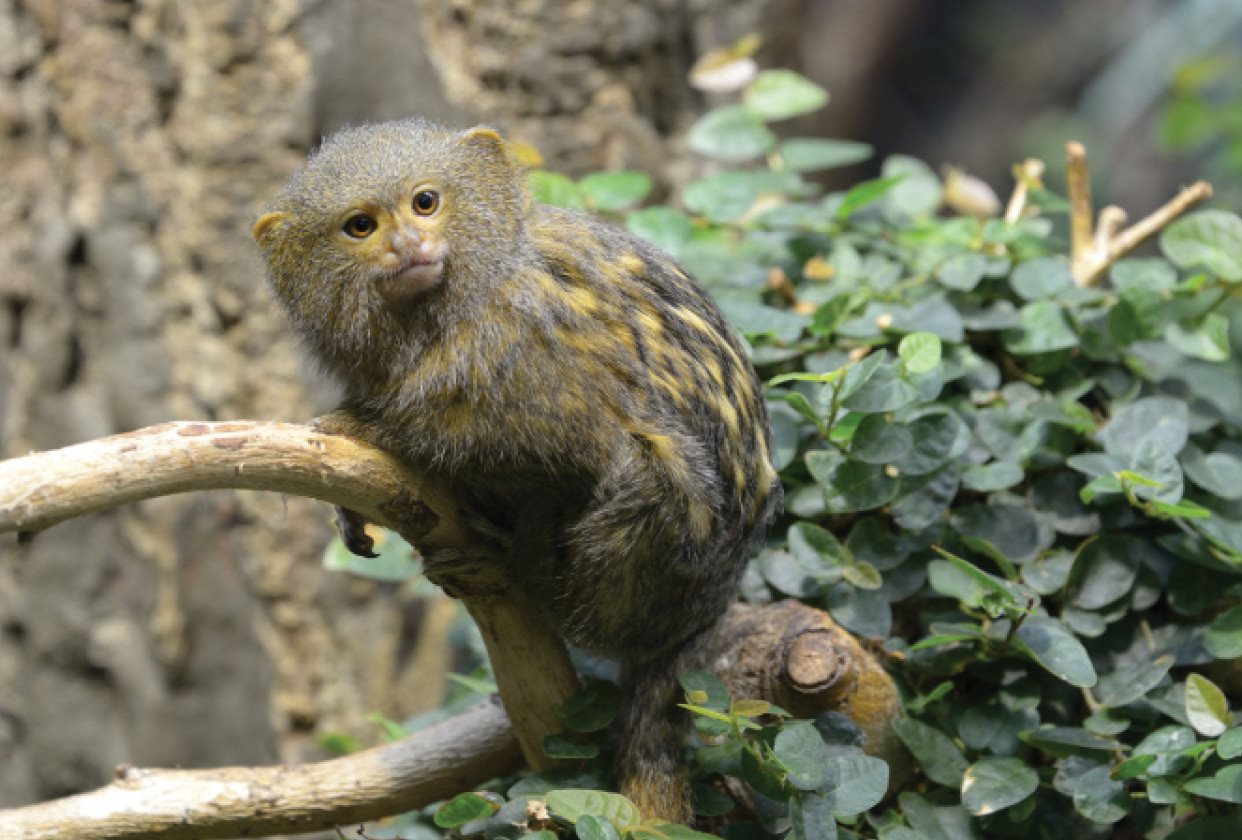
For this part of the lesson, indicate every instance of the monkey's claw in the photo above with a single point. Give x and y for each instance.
(353, 528)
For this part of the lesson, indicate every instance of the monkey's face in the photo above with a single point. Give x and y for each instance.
(403, 243)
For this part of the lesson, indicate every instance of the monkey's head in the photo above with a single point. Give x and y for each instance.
(386, 218)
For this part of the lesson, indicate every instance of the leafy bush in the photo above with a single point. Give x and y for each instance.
(1026, 491)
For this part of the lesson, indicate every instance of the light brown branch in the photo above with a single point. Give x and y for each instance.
(532, 668)
(433, 764)
(44, 488)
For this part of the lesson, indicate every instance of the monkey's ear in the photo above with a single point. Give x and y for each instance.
(484, 138)
(266, 225)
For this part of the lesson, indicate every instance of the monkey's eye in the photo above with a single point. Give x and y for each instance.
(426, 202)
(360, 226)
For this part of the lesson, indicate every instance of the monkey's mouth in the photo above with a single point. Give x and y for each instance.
(411, 279)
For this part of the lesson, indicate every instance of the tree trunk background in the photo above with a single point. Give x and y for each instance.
(137, 140)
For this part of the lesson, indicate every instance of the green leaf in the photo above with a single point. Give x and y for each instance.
(572, 805)
(1160, 423)
(856, 486)
(937, 822)
(1042, 277)
(811, 817)
(726, 196)
(962, 272)
(562, 746)
(731, 133)
(713, 691)
(1132, 768)
(802, 154)
(610, 192)
(864, 194)
(1216, 472)
(986, 581)
(1100, 798)
(1053, 646)
(1107, 568)
(941, 760)
(1008, 533)
(1229, 745)
(919, 352)
(799, 747)
(589, 827)
(884, 390)
(1207, 340)
(857, 782)
(863, 575)
(1130, 683)
(1224, 635)
(994, 784)
(1211, 238)
(878, 440)
(988, 478)
(1225, 786)
(592, 708)
(664, 227)
(781, 94)
(1043, 330)
(463, 808)
(1063, 741)
(672, 831)
(1206, 706)
(919, 192)
(939, 436)
(554, 188)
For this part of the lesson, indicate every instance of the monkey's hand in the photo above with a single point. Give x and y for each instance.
(352, 525)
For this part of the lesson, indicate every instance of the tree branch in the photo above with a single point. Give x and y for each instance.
(433, 764)
(532, 668)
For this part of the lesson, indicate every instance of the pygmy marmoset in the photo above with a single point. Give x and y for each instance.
(566, 377)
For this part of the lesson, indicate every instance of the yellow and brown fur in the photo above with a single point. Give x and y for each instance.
(568, 378)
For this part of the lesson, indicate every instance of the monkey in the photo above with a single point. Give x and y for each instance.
(568, 379)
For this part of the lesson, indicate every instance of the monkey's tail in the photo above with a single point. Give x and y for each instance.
(650, 763)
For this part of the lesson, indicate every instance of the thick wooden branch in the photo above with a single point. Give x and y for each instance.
(433, 764)
(532, 668)
(45, 488)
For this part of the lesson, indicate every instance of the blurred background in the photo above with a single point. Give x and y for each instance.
(139, 137)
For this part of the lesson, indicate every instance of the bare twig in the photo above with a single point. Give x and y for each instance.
(1093, 252)
(1082, 213)
(1027, 176)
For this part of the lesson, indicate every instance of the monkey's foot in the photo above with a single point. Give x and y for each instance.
(353, 528)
